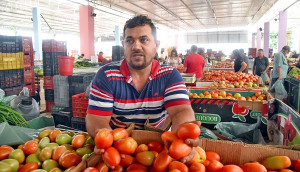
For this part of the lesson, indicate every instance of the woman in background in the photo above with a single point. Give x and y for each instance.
(174, 59)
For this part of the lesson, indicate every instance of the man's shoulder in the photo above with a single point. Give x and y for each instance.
(112, 66)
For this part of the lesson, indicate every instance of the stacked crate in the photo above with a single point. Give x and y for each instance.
(11, 64)
(61, 91)
(52, 49)
(28, 60)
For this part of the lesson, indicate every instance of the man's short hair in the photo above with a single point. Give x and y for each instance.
(100, 52)
(194, 48)
(261, 50)
(241, 50)
(140, 20)
(286, 48)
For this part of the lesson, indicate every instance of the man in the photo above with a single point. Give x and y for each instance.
(261, 63)
(137, 87)
(194, 63)
(280, 66)
(100, 56)
(239, 64)
(246, 59)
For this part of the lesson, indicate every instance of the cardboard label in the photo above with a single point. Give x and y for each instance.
(208, 118)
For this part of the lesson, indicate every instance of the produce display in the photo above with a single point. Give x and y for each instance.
(295, 72)
(223, 65)
(241, 84)
(79, 64)
(56, 151)
(228, 76)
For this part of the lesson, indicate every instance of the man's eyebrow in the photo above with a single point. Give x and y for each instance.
(127, 37)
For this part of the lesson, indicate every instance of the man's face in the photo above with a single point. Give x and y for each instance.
(139, 46)
(260, 54)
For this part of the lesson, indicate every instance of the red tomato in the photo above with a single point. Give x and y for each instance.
(162, 162)
(255, 166)
(118, 168)
(4, 152)
(57, 152)
(127, 160)
(206, 163)
(112, 157)
(103, 139)
(154, 146)
(296, 165)
(197, 167)
(126, 146)
(141, 148)
(78, 141)
(69, 159)
(169, 136)
(102, 167)
(179, 149)
(231, 168)
(214, 166)
(120, 133)
(137, 167)
(91, 169)
(286, 170)
(53, 134)
(29, 167)
(178, 166)
(174, 170)
(212, 156)
(188, 131)
(30, 147)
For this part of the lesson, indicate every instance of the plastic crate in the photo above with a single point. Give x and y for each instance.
(84, 79)
(29, 76)
(27, 44)
(78, 123)
(294, 93)
(11, 61)
(11, 44)
(49, 105)
(80, 105)
(62, 117)
(12, 90)
(49, 95)
(28, 59)
(50, 62)
(52, 45)
(31, 89)
(61, 91)
(11, 78)
(48, 82)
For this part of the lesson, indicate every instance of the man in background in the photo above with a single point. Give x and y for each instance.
(100, 56)
(280, 66)
(194, 63)
(245, 58)
(261, 63)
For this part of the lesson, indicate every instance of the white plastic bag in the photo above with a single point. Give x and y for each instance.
(278, 89)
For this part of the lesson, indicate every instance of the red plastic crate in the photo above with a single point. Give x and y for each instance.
(29, 75)
(80, 104)
(28, 60)
(48, 82)
(49, 105)
(27, 44)
(31, 89)
(52, 45)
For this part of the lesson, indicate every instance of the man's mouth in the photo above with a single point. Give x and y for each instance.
(137, 55)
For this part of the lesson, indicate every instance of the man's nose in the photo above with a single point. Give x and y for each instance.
(136, 45)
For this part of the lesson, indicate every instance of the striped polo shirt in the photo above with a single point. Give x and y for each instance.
(113, 93)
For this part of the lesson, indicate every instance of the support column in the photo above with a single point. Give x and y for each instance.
(87, 35)
(282, 29)
(258, 40)
(117, 35)
(253, 40)
(176, 42)
(266, 38)
(36, 17)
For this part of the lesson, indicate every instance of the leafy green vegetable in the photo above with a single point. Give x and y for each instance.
(294, 72)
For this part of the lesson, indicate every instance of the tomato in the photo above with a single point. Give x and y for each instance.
(154, 146)
(91, 169)
(188, 131)
(78, 141)
(214, 166)
(146, 158)
(102, 167)
(169, 136)
(197, 167)
(174, 170)
(179, 149)
(162, 162)
(137, 167)
(4, 152)
(29, 167)
(126, 146)
(286, 170)
(103, 139)
(212, 156)
(179, 166)
(53, 134)
(118, 168)
(141, 148)
(69, 159)
(296, 165)
(127, 160)
(231, 168)
(13, 163)
(199, 156)
(57, 152)
(55, 170)
(155, 153)
(248, 167)
(30, 147)
(206, 163)
(49, 164)
(45, 154)
(112, 157)
(120, 133)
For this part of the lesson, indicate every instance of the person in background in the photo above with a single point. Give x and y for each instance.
(239, 64)
(246, 59)
(100, 56)
(280, 66)
(261, 63)
(174, 60)
(194, 63)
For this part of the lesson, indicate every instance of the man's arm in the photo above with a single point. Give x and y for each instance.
(244, 66)
(94, 122)
(279, 72)
(184, 69)
(267, 68)
(253, 70)
(180, 114)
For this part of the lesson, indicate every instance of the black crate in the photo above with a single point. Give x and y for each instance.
(294, 94)
(13, 90)
(84, 79)
(62, 118)
(78, 123)
(11, 78)
(49, 95)
(50, 63)
(10, 44)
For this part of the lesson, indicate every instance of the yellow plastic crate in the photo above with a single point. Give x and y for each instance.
(11, 61)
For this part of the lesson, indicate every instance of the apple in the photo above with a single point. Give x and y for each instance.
(222, 82)
(230, 86)
(236, 84)
(237, 95)
(250, 84)
(223, 93)
(208, 96)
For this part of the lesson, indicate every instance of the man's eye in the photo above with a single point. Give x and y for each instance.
(144, 40)
(129, 41)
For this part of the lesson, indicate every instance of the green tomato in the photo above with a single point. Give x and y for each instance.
(52, 145)
(17, 154)
(49, 164)
(4, 167)
(13, 163)
(43, 142)
(39, 170)
(82, 151)
(55, 170)
(33, 158)
(63, 139)
(44, 133)
(45, 154)
(90, 141)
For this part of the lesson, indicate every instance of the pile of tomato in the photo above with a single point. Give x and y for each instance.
(228, 76)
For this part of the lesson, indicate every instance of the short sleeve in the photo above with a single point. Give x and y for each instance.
(279, 60)
(255, 61)
(101, 96)
(175, 92)
(185, 62)
(267, 61)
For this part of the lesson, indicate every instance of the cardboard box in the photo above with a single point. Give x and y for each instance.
(283, 124)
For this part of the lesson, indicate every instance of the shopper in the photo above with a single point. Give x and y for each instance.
(174, 59)
(137, 87)
(100, 57)
(194, 63)
(261, 63)
(239, 64)
(246, 59)
(280, 66)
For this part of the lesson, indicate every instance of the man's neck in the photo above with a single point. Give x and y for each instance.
(260, 57)
(140, 73)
